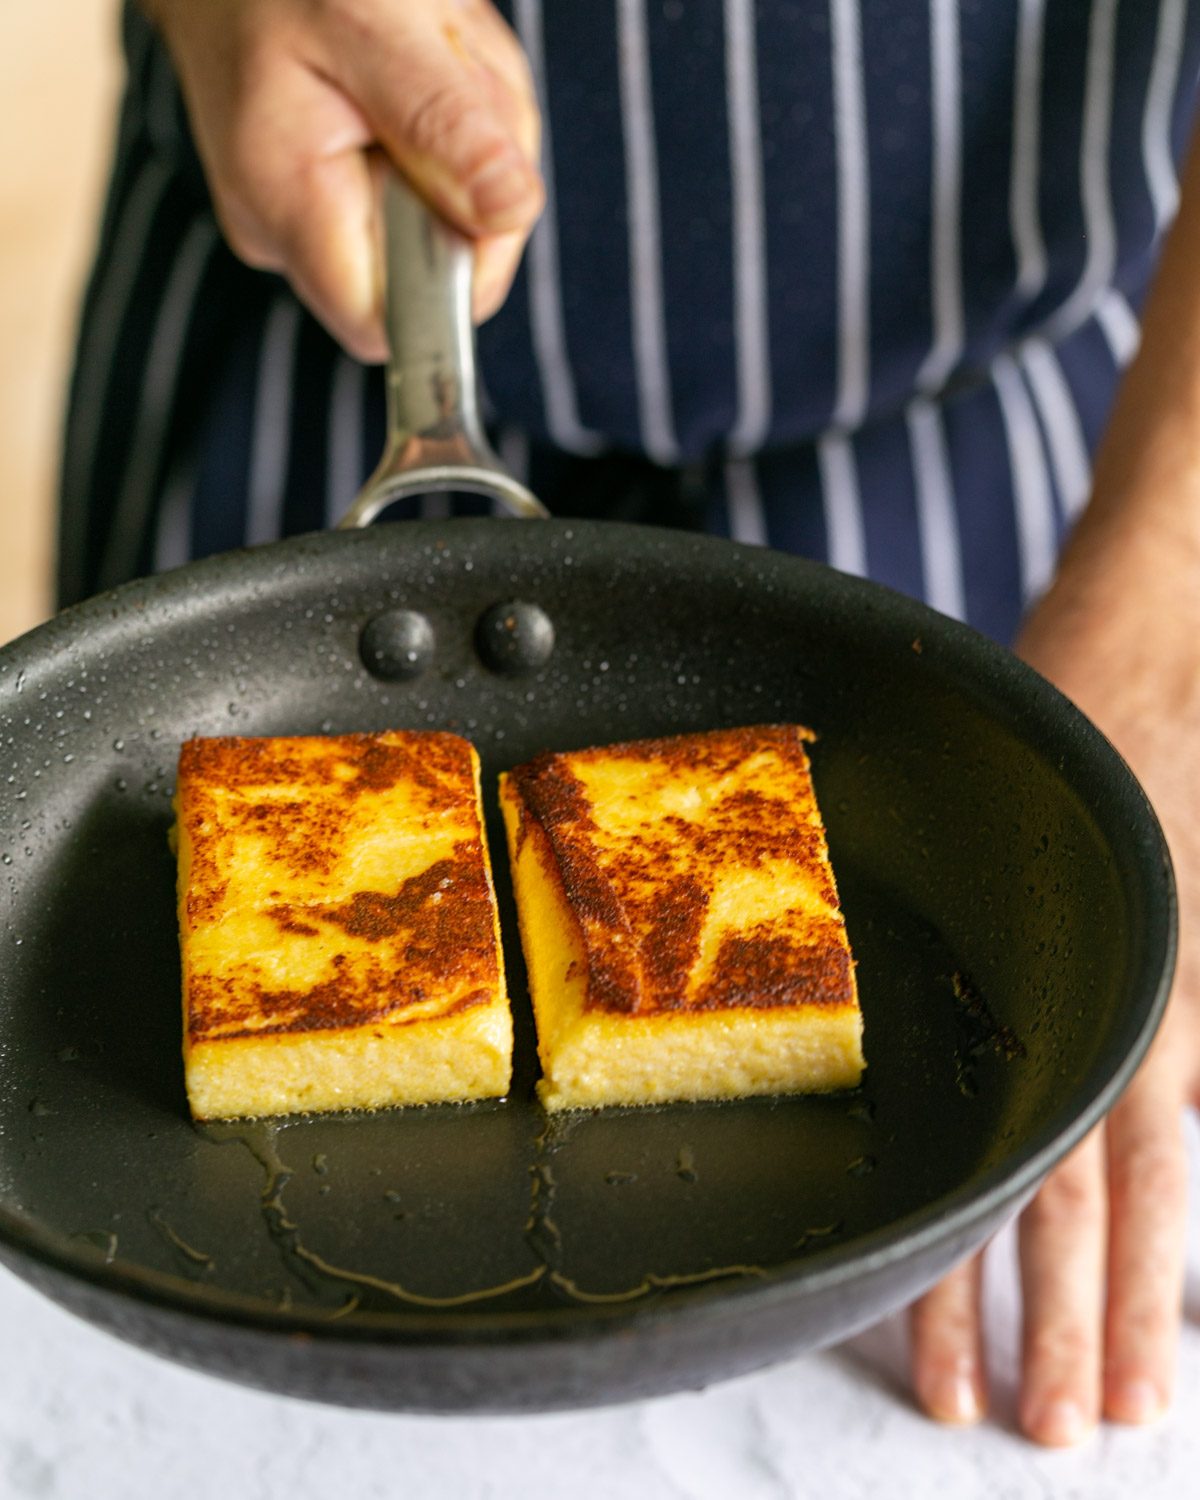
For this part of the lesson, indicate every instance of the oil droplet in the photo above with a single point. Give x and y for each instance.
(100, 1239)
(817, 1232)
(861, 1166)
(685, 1165)
(194, 1257)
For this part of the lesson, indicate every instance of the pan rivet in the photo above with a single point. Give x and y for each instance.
(514, 638)
(396, 644)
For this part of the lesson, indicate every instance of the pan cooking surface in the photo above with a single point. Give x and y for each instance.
(383, 1211)
(1012, 947)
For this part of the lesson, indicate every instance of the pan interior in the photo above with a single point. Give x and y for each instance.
(997, 938)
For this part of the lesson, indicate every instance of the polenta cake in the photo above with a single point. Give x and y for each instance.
(680, 921)
(338, 925)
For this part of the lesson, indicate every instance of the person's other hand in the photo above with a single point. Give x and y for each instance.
(286, 100)
(1101, 1246)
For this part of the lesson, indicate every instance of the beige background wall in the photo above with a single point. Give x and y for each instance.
(59, 76)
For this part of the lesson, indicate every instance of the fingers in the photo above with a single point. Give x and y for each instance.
(299, 200)
(1147, 1173)
(286, 99)
(463, 130)
(496, 262)
(492, 44)
(947, 1350)
(1062, 1239)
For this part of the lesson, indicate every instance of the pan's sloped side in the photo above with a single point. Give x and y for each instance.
(1006, 887)
(532, 1365)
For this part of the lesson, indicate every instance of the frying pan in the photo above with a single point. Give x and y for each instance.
(1006, 888)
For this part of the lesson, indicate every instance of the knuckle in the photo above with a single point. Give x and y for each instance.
(1069, 1198)
(1062, 1345)
(353, 20)
(239, 177)
(1143, 1323)
(239, 214)
(448, 122)
(250, 247)
(1153, 1170)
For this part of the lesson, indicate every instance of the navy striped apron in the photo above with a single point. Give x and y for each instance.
(851, 278)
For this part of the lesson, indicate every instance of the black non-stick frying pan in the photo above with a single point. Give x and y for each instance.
(1006, 887)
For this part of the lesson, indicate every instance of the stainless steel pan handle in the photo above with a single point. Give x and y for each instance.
(435, 438)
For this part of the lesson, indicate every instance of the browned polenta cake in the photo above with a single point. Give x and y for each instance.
(338, 926)
(680, 921)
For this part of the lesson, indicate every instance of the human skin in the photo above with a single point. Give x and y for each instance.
(293, 105)
(1101, 1247)
(289, 100)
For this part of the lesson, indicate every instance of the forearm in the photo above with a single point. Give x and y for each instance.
(1144, 515)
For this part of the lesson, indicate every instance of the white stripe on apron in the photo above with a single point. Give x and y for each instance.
(344, 446)
(1023, 210)
(1157, 154)
(160, 378)
(1099, 228)
(173, 535)
(97, 354)
(749, 230)
(513, 446)
(435, 506)
(854, 215)
(1118, 322)
(841, 503)
(1065, 441)
(272, 423)
(747, 522)
(645, 257)
(161, 124)
(1033, 503)
(946, 267)
(559, 399)
(937, 520)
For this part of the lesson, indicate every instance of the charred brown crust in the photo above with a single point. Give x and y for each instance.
(641, 914)
(431, 937)
(225, 787)
(762, 971)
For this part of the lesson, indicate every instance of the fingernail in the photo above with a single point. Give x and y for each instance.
(1137, 1401)
(955, 1399)
(1059, 1424)
(500, 188)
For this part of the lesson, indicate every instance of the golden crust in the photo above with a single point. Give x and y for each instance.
(334, 886)
(647, 838)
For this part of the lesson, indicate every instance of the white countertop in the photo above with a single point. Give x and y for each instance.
(83, 1415)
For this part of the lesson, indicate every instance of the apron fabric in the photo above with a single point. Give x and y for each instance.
(850, 278)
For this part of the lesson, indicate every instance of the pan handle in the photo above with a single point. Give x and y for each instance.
(435, 438)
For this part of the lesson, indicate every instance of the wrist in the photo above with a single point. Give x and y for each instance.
(1122, 616)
